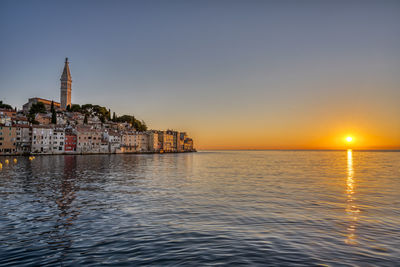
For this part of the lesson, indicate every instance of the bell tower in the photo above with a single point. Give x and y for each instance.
(66, 86)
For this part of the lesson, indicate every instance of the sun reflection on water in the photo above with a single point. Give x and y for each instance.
(351, 207)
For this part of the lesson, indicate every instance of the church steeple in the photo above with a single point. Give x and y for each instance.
(66, 75)
(66, 86)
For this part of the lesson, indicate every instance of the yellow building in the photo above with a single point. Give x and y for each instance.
(134, 142)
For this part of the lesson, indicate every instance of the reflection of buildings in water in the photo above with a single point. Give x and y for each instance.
(67, 213)
(351, 207)
(52, 180)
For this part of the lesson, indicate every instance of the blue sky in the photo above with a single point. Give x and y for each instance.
(214, 68)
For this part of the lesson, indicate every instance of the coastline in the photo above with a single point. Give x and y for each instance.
(94, 153)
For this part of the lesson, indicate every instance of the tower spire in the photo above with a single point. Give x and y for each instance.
(66, 75)
(66, 86)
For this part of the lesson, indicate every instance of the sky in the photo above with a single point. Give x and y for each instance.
(233, 74)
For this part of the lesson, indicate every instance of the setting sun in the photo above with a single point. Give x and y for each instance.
(349, 139)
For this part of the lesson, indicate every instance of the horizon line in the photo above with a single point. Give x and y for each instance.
(300, 149)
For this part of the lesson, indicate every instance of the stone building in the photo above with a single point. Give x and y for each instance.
(5, 120)
(65, 91)
(8, 112)
(188, 144)
(155, 145)
(70, 140)
(24, 138)
(128, 142)
(8, 137)
(47, 103)
(167, 140)
(180, 146)
(141, 141)
(42, 139)
(134, 142)
(66, 86)
(58, 140)
(113, 139)
(89, 140)
(43, 118)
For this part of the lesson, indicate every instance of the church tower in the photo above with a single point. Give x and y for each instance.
(66, 85)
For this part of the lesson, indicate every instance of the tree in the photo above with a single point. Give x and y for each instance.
(132, 122)
(54, 117)
(86, 109)
(39, 107)
(69, 108)
(75, 108)
(5, 106)
(85, 120)
(109, 114)
(52, 106)
(140, 126)
(35, 109)
(114, 118)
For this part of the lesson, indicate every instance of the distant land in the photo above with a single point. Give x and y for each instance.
(45, 126)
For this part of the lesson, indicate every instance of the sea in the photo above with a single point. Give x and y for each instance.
(210, 208)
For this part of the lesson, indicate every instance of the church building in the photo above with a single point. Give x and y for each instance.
(66, 86)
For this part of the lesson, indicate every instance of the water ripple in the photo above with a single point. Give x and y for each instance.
(280, 208)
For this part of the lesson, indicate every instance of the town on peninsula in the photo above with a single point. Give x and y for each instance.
(48, 127)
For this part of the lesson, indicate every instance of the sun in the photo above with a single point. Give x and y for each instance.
(349, 139)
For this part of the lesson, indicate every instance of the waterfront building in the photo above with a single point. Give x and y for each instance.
(141, 141)
(58, 140)
(70, 140)
(66, 86)
(23, 138)
(154, 143)
(134, 142)
(175, 135)
(128, 142)
(8, 137)
(113, 139)
(181, 142)
(188, 144)
(89, 139)
(167, 140)
(41, 138)
(104, 147)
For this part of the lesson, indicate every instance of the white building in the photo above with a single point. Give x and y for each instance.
(24, 138)
(58, 140)
(42, 138)
(113, 139)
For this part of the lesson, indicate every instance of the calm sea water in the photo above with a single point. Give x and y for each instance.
(207, 208)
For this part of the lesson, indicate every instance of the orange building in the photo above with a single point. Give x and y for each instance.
(8, 136)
